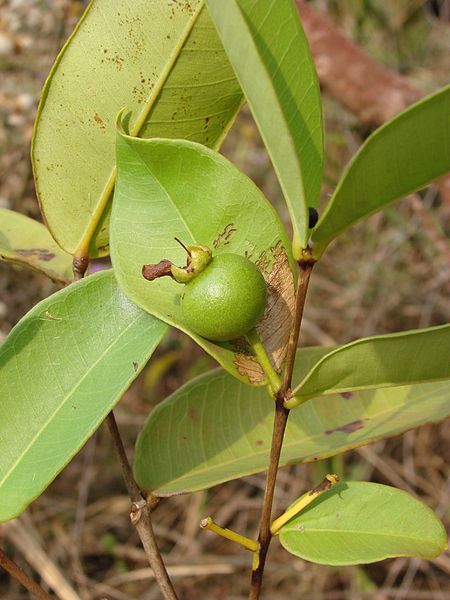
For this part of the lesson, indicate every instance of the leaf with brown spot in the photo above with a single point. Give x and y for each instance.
(145, 57)
(99, 121)
(347, 428)
(275, 325)
(26, 242)
(153, 205)
(38, 253)
(175, 454)
(224, 237)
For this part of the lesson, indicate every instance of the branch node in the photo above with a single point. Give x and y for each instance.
(152, 501)
(136, 511)
(79, 266)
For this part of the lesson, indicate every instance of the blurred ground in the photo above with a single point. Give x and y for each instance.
(389, 273)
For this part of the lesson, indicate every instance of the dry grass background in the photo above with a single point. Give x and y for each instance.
(390, 273)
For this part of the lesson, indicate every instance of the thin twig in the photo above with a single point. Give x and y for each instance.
(141, 515)
(279, 427)
(15, 571)
(24, 537)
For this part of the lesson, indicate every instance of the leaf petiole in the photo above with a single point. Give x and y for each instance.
(264, 360)
(303, 502)
(295, 401)
(243, 541)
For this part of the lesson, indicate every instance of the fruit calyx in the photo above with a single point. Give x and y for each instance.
(198, 258)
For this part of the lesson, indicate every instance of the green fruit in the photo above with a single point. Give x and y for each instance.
(226, 299)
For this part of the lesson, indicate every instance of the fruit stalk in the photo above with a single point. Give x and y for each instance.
(264, 360)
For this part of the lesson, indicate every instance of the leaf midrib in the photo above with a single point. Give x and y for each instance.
(136, 151)
(105, 195)
(349, 531)
(65, 399)
(173, 482)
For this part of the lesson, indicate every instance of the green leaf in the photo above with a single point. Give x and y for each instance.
(62, 369)
(402, 156)
(359, 522)
(268, 49)
(27, 243)
(215, 429)
(416, 356)
(174, 188)
(161, 60)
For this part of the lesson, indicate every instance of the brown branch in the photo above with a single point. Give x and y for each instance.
(279, 427)
(264, 538)
(140, 515)
(15, 571)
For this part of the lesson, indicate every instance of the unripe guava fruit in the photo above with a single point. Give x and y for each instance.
(226, 299)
